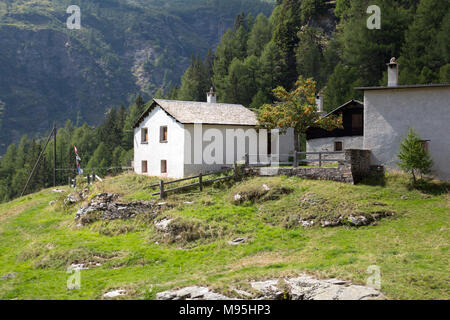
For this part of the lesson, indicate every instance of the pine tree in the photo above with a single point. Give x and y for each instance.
(259, 36)
(414, 158)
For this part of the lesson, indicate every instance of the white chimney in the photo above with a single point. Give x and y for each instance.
(392, 73)
(211, 96)
(319, 103)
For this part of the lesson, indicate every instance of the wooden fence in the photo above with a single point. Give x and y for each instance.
(296, 159)
(201, 182)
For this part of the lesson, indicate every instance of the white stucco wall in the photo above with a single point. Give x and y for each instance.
(327, 145)
(155, 151)
(287, 147)
(389, 113)
(233, 149)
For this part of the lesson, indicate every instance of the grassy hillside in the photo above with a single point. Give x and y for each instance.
(39, 241)
(123, 48)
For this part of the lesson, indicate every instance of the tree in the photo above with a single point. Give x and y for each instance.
(259, 36)
(297, 109)
(414, 158)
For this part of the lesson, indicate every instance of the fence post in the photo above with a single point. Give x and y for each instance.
(162, 194)
(70, 182)
(93, 177)
(235, 172)
(247, 160)
(320, 160)
(295, 160)
(88, 179)
(200, 181)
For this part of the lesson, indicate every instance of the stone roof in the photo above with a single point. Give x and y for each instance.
(190, 112)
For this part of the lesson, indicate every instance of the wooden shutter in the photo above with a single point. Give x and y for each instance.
(163, 166)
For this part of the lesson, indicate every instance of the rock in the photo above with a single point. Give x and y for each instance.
(191, 293)
(188, 202)
(52, 203)
(269, 289)
(7, 276)
(237, 241)
(163, 225)
(108, 207)
(379, 204)
(405, 197)
(327, 223)
(75, 267)
(237, 197)
(358, 220)
(114, 294)
(306, 223)
(58, 191)
(243, 293)
(71, 199)
(301, 288)
(266, 187)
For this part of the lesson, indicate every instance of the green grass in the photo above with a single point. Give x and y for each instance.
(38, 241)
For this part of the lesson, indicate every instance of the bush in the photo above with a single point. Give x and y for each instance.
(414, 158)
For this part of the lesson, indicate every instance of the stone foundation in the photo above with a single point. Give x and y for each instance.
(355, 167)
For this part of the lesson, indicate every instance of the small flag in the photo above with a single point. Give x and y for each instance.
(78, 160)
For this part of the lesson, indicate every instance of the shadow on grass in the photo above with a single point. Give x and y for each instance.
(432, 187)
(374, 180)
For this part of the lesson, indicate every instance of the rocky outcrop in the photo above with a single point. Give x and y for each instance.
(301, 288)
(106, 207)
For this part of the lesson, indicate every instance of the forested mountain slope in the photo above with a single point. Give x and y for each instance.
(124, 47)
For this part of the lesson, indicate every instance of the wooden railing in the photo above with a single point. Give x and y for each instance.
(201, 182)
(296, 160)
(320, 159)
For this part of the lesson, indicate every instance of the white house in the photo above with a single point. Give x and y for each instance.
(350, 137)
(390, 111)
(383, 120)
(182, 138)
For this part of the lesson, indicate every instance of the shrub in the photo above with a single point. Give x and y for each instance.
(414, 158)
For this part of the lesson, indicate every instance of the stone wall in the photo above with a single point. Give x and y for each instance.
(352, 170)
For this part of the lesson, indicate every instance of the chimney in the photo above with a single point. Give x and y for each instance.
(319, 103)
(392, 73)
(211, 96)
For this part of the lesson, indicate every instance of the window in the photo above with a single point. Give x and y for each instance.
(357, 121)
(144, 135)
(163, 134)
(144, 167)
(338, 146)
(163, 166)
(426, 145)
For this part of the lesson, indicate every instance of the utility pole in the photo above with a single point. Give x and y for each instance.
(54, 153)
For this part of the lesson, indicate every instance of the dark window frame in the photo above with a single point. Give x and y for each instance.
(144, 135)
(146, 166)
(163, 134)
(163, 166)
(340, 148)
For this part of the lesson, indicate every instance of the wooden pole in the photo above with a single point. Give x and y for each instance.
(320, 159)
(200, 181)
(161, 189)
(54, 154)
(247, 160)
(295, 160)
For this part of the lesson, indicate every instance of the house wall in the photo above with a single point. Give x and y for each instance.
(155, 151)
(327, 145)
(286, 145)
(233, 150)
(389, 113)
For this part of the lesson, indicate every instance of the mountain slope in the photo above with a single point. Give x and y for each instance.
(48, 72)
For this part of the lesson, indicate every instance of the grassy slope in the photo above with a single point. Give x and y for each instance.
(38, 242)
